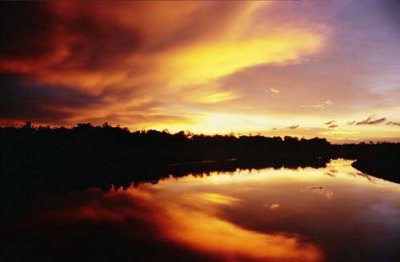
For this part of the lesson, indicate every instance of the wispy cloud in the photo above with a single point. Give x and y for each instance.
(329, 122)
(371, 120)
(293, 127)
(324, 105)
(272, 206)
(273, 90)
(391, 123)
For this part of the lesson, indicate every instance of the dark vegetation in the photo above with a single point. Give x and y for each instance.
(43, 160)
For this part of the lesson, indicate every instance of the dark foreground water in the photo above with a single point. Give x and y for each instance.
(330, 214)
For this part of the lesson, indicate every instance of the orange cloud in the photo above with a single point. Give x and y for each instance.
(208, 61)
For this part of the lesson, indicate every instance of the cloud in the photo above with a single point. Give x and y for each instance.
(391, 123)
(138, 52)
(272, 206)
(331, 124)
(202, 63)
(391, 9)
(25, 32)
(324, 105)
(175, 64)
(293, 127)
(319, 190)
(371, 120)
(60, 44)
(146, 120)
(23, 101)
(273, 90)
(84, 47)
(210, 96)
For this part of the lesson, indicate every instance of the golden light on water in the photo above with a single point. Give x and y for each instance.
(208, 233)
(267, 214)
(193, 208)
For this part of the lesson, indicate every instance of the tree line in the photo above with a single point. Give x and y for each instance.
(61, 159)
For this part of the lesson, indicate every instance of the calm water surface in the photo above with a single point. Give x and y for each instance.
(330, 214)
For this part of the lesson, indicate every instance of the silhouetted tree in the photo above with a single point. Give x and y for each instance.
(44, 159)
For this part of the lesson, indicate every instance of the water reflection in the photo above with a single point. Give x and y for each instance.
(332, 214)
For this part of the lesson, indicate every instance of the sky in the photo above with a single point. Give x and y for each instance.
(327, 68)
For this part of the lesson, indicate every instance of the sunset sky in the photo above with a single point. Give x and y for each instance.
(328, 68)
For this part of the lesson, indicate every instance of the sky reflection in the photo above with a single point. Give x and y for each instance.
(328, 214)
(281, 214)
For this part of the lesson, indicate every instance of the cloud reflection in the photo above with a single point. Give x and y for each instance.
(266, 215)
(211, 234)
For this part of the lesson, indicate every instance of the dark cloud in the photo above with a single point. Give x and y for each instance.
(82, 36)
(392, 10)
(371, 120)
(143, 119)
(329, 122)
(101, 43)
(26, 29)
(32, 30)
(22, 100)
(391, 123)
(293, 127)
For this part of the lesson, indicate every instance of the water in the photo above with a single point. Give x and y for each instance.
(330, 214)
